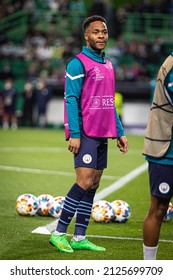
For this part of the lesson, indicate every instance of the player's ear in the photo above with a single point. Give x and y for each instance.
(86, 36)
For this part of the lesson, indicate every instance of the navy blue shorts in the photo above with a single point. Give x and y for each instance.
(92, 153)
(161, 180)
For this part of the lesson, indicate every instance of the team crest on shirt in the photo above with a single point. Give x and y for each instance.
(164, 187)
(87, 158)
(98, 76)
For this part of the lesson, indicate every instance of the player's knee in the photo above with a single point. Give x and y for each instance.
(85, 184)
(161, 211)
(96, 185)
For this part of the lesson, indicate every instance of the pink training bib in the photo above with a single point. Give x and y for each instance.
(97, 99)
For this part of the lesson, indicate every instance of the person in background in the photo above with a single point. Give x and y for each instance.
(119, 105)
(28, 104)
(1, 107)
(43, 95)
(90, 119)
(158, 149)
(9, 100)
(152, 88)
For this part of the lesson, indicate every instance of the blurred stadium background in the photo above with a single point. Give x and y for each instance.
(38, 37)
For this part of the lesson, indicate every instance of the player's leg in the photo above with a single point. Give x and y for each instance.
(5, 119)
(97, 156)
(87, 177)
(13, 121)
(84, 209)
(72, 199)
(161, 189)
(152, 225)
(85, 206)
(84, 163)
(82, 196)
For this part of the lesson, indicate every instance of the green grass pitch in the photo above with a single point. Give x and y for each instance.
(39, 162)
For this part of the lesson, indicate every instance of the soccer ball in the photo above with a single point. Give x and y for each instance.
(102, 211)
(61, 200)
(44, 200)
(122, 211)
(27, 205)
(55, 206)
(169, 213)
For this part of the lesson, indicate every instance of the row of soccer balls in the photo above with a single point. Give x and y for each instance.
(47, 205)
(118, 211)
(115, 211)
(102, 210)
(43, 205)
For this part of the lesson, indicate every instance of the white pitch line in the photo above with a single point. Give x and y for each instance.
(124, 238)
(33, 149)
(44, 230)
(35, 171)
(50, 172)
(102, 194)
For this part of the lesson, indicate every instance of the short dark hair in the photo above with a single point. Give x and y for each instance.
(90, 19)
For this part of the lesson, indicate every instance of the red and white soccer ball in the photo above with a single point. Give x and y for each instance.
(102, 211)
(169, 213)
(27, 205)
(44, 200)
(55, 206)
(122, 211)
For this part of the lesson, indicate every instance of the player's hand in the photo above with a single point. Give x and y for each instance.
(74, 145)
(122, 144)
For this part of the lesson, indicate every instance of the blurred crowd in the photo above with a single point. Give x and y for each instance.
(35, 101)
(40, 57)
(8, 7)
(132, 60)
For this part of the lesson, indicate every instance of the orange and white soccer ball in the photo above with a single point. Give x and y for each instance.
(122, 211)
(27, 205)
(102, 211)
(44, 200)
(55, 206)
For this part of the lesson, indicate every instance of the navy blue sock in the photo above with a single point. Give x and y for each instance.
(84, 212)
(71, 202)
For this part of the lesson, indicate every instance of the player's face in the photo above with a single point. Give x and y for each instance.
(96, 35)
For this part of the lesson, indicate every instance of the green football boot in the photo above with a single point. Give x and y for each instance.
(85, 245)
(61, 243)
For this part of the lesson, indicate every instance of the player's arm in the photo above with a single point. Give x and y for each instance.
(122, 142)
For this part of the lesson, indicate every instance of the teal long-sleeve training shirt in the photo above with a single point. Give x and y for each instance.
(75, 75)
